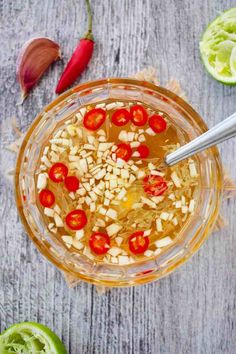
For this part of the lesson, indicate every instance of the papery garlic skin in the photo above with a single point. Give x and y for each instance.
(34, 59)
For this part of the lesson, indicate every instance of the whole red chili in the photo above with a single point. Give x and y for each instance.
(80, 58)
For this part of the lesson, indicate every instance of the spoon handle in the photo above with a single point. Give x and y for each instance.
(219, 133)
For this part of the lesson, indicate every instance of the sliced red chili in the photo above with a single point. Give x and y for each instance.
(46, 198)
(139, 115)
(58, 172)
(154, 185)
(72, 183)
(143, 151)
(99, 243)
(123, 151)
(138, 243)
(76, 219)
(94, 119)
(120, 117)
(157, 123)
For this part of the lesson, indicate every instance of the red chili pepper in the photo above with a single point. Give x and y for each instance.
(80, 58)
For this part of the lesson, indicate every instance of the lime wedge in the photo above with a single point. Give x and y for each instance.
(218, 46)
(30, 338)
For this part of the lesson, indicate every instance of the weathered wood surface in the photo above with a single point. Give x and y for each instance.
(192, 311)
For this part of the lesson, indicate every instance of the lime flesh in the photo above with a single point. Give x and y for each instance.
(30, 338)
(218, 47)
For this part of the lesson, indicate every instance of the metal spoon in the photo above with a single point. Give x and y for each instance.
(223, 131)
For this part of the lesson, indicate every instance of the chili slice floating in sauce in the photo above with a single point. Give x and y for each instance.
(139, 115)
(138, 243)
(76, 219)
(154, 185)
(94, 119)
(120, 117)
(99, 243)
(58, 172)
(157, 123)
(46, 198)
(143, 151)
(72, 183)
(123, 151)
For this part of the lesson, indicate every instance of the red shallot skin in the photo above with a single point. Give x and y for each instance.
(34, 59)
(77, 64)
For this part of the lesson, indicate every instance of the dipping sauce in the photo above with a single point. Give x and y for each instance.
(100, 186)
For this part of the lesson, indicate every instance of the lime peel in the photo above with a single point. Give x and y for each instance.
(30, 337)
(217, 47)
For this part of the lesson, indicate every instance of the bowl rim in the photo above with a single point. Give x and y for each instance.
(42, 248)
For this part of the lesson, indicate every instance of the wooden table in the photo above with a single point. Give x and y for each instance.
(192, 311)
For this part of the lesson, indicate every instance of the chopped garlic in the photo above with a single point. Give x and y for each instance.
(176, 179)
(136, 154)
(42, 181)
(141, 138)
(45, 160)
(79, 234)
(147, 232)
(106, 202)
(178, 204)
(124, 173)
(114, 251)
(112, 213)
(132, 179)
(123, 135)
(159, 225)
(164, 216)
(148, 253)
(102, 211)
(141, 174)
(114, 260)
(92, 207)
(163, 242)
(137, 205)
(109, 195)
(77, 244)
(83, 164)
(113, 229)
(171, 196)
(67, 239)
(49, 212)
(121, 194)
(134, 144)
(101, 132)
(148, 202)
(113, 184)
(104, 146)
(130, 136)
(149, 131)
(100, 174)
(58, 220)
(184, 209)
(175, 221)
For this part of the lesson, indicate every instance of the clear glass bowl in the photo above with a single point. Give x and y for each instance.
(191, 237)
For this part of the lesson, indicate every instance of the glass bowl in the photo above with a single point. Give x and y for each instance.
(190, 238)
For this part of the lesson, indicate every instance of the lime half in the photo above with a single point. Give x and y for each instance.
(30, 338)
(218, 47)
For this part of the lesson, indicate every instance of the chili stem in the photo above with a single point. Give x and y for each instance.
(89, 34)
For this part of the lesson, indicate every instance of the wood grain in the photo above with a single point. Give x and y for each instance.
(192, 311)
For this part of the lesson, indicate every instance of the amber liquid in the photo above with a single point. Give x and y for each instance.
(132, 220)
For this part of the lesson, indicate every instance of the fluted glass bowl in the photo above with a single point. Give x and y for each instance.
(190, 238)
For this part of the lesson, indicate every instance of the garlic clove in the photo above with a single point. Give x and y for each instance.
(35, 57)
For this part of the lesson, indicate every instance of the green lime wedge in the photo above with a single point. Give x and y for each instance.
(30, 338)
(218, 46)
